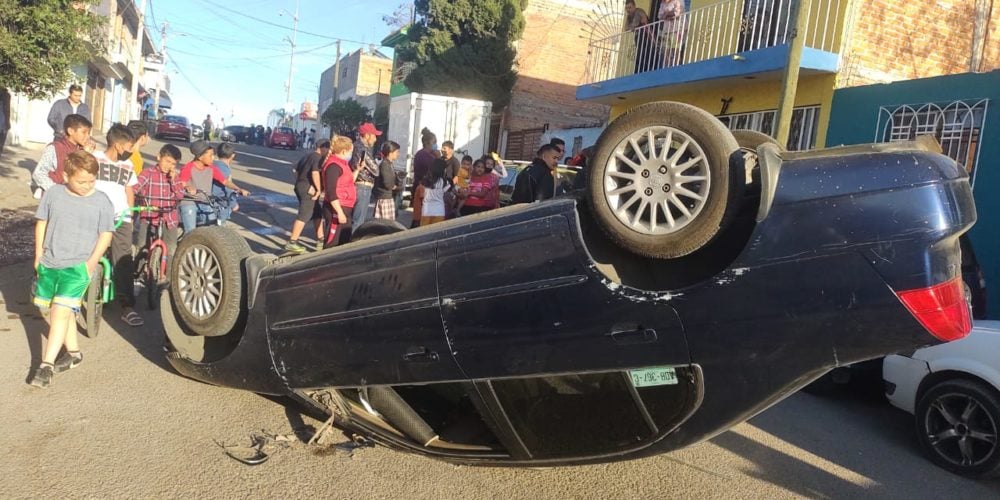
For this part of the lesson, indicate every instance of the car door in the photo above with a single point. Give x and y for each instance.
(364, 315)
(557, 350)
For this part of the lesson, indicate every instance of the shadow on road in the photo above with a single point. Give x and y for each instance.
(882, 466)
(15, 296)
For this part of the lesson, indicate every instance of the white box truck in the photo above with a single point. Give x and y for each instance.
(466, 122)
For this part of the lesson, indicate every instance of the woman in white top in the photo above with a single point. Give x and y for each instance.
(437, 194)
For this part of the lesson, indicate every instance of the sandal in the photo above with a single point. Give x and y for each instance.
(132, 318)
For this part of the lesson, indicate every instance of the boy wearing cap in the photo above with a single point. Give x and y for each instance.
(365, 170)
(198, 175)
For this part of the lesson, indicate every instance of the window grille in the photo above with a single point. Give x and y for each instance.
(957, 126)
(803, 128)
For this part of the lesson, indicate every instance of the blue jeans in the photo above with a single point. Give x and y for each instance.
(189, 216)
(361, 207)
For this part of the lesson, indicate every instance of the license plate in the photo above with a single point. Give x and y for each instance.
(650, 377)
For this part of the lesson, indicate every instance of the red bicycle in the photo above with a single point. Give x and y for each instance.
(151, 259)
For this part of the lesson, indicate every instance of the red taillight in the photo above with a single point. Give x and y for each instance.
(941, 309)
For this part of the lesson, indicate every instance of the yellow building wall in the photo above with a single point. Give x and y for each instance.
(813, 90)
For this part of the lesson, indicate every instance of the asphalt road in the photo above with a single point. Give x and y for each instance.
(123, 424)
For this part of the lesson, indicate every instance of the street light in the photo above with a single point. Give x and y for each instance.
(291, 54)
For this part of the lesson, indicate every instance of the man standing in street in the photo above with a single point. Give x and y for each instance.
(454, 164)
(365, 170)
(207, 125)
(560, 146)
(62, 108)
(308, 189)
(538, 182)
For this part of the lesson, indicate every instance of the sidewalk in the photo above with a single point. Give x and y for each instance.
(17, 206)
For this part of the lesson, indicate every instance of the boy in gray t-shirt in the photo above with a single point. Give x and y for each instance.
(74, 229)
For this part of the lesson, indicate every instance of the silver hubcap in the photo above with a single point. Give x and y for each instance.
(200, 282)
(657, 180)
(960, 430)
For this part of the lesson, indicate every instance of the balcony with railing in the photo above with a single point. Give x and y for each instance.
(728, 39)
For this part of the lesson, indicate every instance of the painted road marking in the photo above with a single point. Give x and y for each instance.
(276, 160)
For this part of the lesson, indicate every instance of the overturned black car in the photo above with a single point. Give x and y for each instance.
(699, 280)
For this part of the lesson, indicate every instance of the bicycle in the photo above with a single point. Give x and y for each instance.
(151, 260)
(101, 289)
(209, 206)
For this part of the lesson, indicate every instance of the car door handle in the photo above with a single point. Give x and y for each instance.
(420, 353)
(633, 336)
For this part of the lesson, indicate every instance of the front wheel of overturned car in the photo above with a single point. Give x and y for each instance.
(207, 283)
(957, 424)
(664, 179)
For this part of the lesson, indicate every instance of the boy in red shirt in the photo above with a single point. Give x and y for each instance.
(198, 175)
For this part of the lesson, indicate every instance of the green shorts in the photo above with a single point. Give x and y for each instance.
(65, 287)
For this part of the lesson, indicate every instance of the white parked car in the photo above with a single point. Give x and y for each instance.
(953, 391)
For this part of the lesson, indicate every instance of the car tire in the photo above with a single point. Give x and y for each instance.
(700, 147)
(376, 227)
(207, 283)
(953, 419)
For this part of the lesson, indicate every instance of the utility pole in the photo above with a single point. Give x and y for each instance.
(139, 38)
(790, 81)
(336, 74)
(163, 69)
(291, 56)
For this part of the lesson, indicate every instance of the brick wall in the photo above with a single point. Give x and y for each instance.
(901, 39)
(551, 62)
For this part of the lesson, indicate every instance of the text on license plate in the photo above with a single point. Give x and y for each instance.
(649, 377)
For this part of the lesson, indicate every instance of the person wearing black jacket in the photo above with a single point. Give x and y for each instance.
(538, 181)
(386, 184)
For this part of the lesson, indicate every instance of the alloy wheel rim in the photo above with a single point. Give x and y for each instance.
(960, 430)
(200, 282)
(657, 180)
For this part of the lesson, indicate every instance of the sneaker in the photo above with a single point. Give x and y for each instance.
(42, 376)
(294, 247)
(67, 361)
(319, 245)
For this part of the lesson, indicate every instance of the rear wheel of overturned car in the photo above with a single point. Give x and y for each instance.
(664, 179)
(957, 424)
(207, 283)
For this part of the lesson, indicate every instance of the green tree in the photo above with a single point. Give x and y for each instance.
(465, 48)
(41, 41)
(345, 115)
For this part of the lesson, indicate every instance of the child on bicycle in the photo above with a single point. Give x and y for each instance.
(198, 175)
(74, 228)
(162, 188)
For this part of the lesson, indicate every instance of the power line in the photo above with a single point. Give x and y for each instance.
(264, 21)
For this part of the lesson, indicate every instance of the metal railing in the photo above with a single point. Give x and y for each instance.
(723, 29)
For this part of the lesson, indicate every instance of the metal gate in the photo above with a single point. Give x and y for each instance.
(957, 126)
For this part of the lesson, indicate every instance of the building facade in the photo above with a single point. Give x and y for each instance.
(960, 111)
(107, 78)
(550, 65)
(365, 76)
(728, 56)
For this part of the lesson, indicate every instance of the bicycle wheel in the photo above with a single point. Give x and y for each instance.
(153, 277)
(93, 306)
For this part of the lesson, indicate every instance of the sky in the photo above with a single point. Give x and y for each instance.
(223, 62)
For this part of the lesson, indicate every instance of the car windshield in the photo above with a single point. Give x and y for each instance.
(175, 119)
(285, 130)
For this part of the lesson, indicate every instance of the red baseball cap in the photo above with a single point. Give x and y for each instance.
(368, 128)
